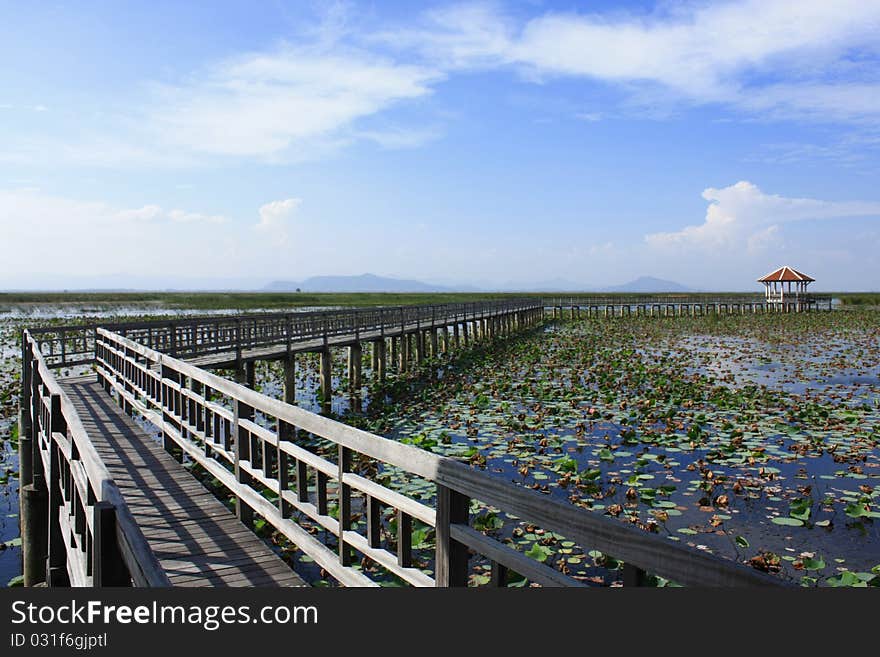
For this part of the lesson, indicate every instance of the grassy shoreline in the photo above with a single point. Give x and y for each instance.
(251, 300)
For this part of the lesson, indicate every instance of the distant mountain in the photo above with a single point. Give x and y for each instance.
(649, 284)
(362, 283)
(373, 283)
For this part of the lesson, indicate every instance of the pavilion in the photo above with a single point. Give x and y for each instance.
(778, 288)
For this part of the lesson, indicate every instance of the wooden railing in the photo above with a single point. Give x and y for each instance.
(92, 538)
(68, 346)
(668, 299)
(256, 447)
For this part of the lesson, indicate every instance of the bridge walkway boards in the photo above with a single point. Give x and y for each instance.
(196, 539)
(280, 349)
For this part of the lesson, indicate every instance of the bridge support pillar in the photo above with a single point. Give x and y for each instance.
(379, 352)
(34, 510)
(247, 373)
(355, 356)
(456, 335)
(420, 341)
(374, 355)
(290, 380)
(435, 342)
(394, 356)
(404, 352)
(326, 374)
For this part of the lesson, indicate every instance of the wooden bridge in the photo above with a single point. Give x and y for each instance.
(679, 305)
(104, 502)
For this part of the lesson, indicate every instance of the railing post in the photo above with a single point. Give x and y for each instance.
(173, 328)
(169, 411)
(108, 568)
(242, 453)
(238, 341)
(451, 557)
(56, 563)
(344, 505)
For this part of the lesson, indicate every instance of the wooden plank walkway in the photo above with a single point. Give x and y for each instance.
(196, 539)
(229, 358)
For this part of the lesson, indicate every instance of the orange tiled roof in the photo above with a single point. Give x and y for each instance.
(785, 274)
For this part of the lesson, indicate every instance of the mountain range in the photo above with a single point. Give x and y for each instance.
(373, 283)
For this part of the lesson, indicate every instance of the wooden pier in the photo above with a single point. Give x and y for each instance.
(104, 503)
(683, 305)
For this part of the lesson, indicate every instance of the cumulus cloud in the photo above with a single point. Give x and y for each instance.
(275, 218)
(743, 216)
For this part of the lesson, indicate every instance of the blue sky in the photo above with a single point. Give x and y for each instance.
(484, 143)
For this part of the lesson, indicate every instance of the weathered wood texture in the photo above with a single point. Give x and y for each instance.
(82, 494)
(219, 341)
(195, 538)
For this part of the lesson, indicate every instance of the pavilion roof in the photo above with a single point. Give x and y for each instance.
(785, 274)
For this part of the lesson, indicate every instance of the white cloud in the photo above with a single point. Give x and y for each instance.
(289, 104)
(276, 104)
(155, 212)
(146, 213)
(79, 237)
(703, 53)
(181, 216)
(398, 137)
(308, 98)
(742, 215)
(275, 218)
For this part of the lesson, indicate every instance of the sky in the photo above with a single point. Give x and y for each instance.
(229, 144)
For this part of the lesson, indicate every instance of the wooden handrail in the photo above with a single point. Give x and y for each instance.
(66, 346)
(95, 485)
(138, 375)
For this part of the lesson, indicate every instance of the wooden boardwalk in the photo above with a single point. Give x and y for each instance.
(103, 503)
(196, 539)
